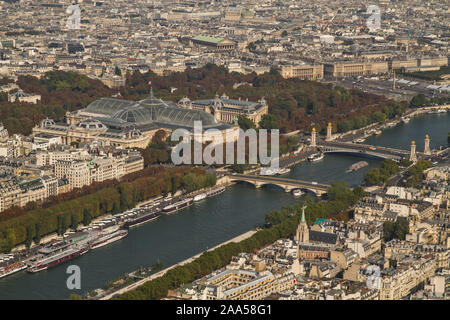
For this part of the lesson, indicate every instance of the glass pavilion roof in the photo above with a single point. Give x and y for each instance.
(147, 111)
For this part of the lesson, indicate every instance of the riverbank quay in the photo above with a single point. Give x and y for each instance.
(163, 272)
(369, 130)
(107, 218)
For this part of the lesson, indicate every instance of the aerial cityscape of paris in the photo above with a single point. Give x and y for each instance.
(202, 150)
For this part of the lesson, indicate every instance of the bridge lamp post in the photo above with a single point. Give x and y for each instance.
(313, 137)
(427, 149)
(329, 130)
(412, 155)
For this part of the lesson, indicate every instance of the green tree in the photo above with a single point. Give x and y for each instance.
(87, 217)
(62, 224)
(37, 236)
(339, 191)
(388, 230)
(359, 192)
(390, 167)
(401, 228)
(405, 162)
(115, 208)
(74, 221)
(30, 236)
(269, 121)
(245, 123)
(419, 100)
(117, 71)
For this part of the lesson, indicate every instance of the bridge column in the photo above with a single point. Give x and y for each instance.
(412, 155)
(287, 189)
(313, 137)
(257, 184)
(427, 149)
(329, 129)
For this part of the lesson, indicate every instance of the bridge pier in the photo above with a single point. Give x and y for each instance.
(257, 184)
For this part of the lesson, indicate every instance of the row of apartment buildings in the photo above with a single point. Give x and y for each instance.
(343, 69)
(61, 172)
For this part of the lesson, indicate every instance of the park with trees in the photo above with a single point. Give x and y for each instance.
(293, 103)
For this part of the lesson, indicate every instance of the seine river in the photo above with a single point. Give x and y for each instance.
(174, 238)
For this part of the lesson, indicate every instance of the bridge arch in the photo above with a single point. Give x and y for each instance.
(310, 191)
(260, 184)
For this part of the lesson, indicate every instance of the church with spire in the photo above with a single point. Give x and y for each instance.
(312, 243)
(302, 234)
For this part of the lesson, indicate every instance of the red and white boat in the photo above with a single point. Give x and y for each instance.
(41, 263)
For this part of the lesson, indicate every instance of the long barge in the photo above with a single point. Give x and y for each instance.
(108, 238)
(45, 262)
(142, 219)
(12, 268)
(215, 192)
(178, 206)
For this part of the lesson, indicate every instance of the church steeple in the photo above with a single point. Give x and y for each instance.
(302, 234)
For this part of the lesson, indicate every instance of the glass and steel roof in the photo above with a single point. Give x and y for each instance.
(108, 106)
(147, 111)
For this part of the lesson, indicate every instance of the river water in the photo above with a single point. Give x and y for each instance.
(240, 208)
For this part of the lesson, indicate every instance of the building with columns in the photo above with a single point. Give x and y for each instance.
(355, 68)
(228, 110)
(214, 43)
(303, 72)
(129, 124)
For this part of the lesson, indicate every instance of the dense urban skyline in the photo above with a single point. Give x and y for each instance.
(351, 97)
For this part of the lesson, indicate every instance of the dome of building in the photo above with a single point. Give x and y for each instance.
(47, 123)
(185, 101)
(135, 114)
(134, 133)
